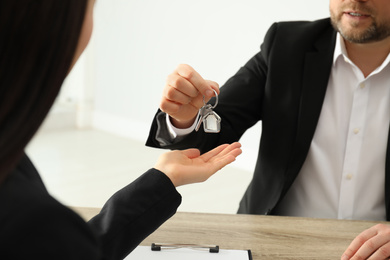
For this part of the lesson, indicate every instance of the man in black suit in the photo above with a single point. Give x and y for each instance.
(321, 90)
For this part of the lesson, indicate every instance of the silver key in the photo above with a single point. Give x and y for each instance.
(203, 111)
(211, 120)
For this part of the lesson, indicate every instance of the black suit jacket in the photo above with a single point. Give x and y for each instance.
(284, 86)
(33, 225)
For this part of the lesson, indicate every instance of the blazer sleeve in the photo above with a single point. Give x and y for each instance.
(37, 226)
(34, 225)
(239, 105)
(134, 212)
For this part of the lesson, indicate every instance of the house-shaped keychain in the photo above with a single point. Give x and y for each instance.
(212, 123)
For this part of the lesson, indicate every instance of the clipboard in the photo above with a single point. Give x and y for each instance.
(145, 252)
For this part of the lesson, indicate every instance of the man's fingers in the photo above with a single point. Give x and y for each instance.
(382, 253)
(174, 95)
(357, 243)
(372, 243)
(195, 79)
(184, 94)
(169, 107)
(181, 84)
(214, 85)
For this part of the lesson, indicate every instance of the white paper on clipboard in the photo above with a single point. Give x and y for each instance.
(145, 252)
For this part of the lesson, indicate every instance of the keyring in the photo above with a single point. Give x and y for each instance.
(216, 100)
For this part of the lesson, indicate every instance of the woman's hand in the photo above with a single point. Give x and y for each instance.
(188, 166)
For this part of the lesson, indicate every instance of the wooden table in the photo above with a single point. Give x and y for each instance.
(268, 237)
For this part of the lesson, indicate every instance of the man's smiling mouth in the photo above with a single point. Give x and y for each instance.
(356, 14)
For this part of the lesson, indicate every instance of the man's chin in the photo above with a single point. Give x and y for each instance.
(357, 34)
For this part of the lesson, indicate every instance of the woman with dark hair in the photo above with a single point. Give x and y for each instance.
(40, 41)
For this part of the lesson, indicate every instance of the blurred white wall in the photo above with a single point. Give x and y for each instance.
(118, 83)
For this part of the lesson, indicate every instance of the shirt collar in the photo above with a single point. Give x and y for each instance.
(341, 51)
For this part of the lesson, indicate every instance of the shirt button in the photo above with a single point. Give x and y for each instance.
(356, 131)
(362, 85)
(349, 176)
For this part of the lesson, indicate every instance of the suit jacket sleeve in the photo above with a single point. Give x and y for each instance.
(34, 225)
(134, 212)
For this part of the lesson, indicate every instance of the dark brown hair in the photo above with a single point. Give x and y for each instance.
(38, 39)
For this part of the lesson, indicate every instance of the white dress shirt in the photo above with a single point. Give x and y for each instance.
(344, 173)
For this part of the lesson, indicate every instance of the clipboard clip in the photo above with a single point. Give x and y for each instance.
(160, 246)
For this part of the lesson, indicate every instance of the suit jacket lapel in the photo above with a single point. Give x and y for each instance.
(316, 73)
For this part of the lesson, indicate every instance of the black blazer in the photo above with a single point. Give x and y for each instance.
(284, 86)
(33, 225)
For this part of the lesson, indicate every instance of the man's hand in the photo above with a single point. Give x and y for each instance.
(183, 95)
(188, 166)
(373, 244)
